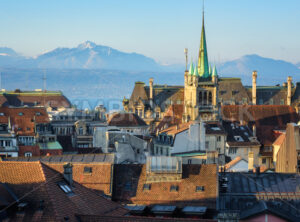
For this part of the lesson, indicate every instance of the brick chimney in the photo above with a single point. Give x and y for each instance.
(250, 161)
(151, 91)
(68, 173)
(289, 90)
(254, 77)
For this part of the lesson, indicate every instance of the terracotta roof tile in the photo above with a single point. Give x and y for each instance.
(194, 175)
(125, 119)
(35, 181)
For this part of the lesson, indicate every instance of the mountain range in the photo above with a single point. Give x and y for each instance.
(95, 71)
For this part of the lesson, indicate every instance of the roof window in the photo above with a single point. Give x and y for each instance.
(21, 114)
(174, 188)
(66, 188)
(1, 114)
(147, 187)
(199, 188)
(87, 170)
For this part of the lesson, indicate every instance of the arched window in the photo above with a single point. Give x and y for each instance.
(200, 98)
(209, 98)
(205, 99)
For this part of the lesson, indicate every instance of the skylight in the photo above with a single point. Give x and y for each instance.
(174, 188)
(66, 188)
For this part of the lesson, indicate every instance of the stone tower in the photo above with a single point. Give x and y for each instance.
(201, 87)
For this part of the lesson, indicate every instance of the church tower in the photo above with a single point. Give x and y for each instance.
(201, 87)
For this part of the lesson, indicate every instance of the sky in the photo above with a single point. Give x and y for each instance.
(160, 29)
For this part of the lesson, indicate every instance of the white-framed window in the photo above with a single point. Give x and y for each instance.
(28, 154)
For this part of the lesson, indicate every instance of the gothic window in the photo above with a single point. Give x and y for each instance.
(200, 98)
(205, 99)
(209, 98)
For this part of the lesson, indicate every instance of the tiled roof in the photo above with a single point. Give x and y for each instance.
(36, 182)
(125, 119)
(129, 181)
(100, 179)
(72, 158)
(245, 190)
(23, 119)
(173, 116)
(52, 99)
(90, 218)
(233, 162)
(234, 130)
(265, 117)
(279, 140)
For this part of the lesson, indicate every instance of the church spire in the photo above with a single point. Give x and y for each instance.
(203, 68)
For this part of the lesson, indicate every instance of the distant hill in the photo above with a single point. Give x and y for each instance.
(94, 71)
(270, 71)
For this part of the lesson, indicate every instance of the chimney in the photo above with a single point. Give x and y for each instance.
(68, 173)
(289, 91)
(250, 161)
(151, 92)
(254, 130)
(254, 77)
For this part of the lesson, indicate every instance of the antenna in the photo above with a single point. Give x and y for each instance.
(186, 57)
(44, 80)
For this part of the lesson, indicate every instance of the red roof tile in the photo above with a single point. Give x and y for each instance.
(192, 176)
(125, 119)
(35, 181)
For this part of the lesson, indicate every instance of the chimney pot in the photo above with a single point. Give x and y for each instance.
(68, 173)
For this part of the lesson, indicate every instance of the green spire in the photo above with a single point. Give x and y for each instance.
(214, 73)
(209, 70)
(196, 72)
(191, 71)
(203, 60)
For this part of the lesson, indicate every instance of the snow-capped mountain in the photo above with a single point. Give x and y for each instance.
(88, 55)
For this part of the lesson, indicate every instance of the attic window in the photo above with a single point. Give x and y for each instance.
(174, 188)
(199, 188)
(21, 114)
(65, 188)
(87, 170)
(147, 187)
(127, 186)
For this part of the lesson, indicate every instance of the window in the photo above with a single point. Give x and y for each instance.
(147, 187)
(244, 100)
(232, 150)
(199, 188)
(260, 102)
(65, 188)
(264, 160)
(206, 144)
(21, 114)
(1, 114)
(174, 188)
(127, 186)
(281, 101)
(218, 138)
(271, 102)
(28, 128)
(28, 154)
(87, 170)
(38, 113)
(189, 161)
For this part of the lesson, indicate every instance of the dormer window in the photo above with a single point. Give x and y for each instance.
(87, 170)
(174, 188)
(21, 114)
(199, 188)
(147, 187)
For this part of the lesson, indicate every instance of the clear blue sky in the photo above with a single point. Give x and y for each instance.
(160, 29)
